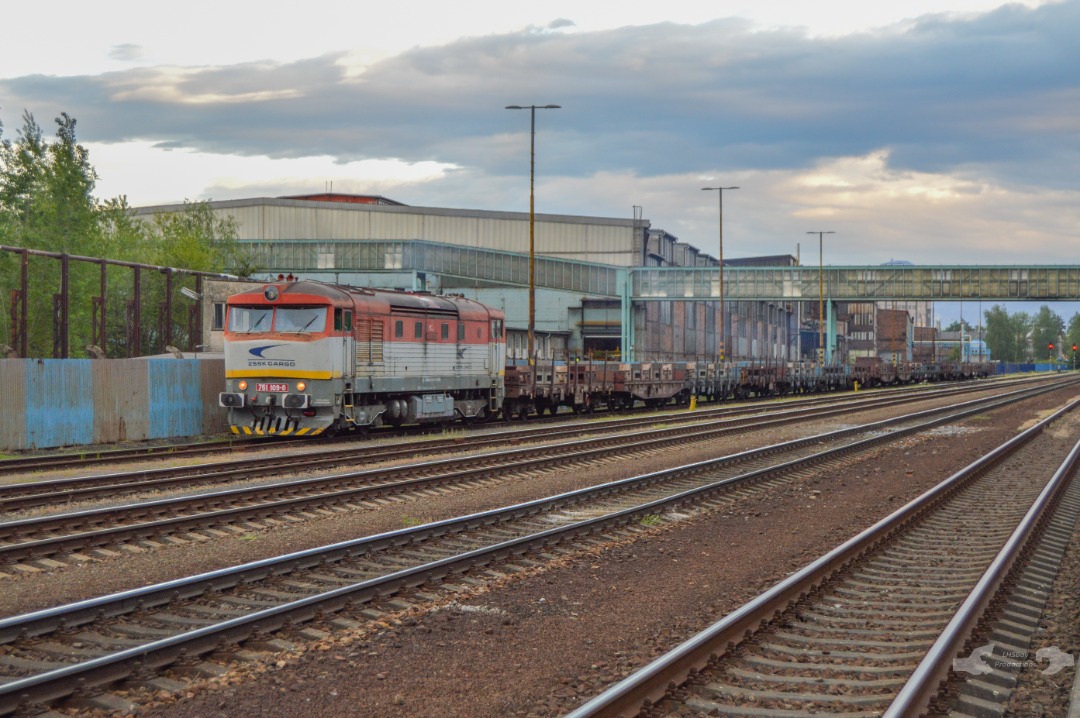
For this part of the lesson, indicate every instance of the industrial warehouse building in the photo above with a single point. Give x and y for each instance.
(582, 303)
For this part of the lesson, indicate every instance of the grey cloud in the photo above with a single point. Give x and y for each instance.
(998, 90)
(126, 52)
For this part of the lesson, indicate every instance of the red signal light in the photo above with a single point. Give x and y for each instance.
(1074, 347)
(1051, 345)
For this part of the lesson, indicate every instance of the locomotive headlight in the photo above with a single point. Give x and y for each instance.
(300, 386)
(242, 385)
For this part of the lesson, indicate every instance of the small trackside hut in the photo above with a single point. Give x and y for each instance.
(305, 358)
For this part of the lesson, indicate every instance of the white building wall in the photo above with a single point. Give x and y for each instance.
(589, 239)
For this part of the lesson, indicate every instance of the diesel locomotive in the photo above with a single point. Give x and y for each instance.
(305, 358)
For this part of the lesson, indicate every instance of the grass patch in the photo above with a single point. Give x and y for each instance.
(410, 521)
(651, 520)
(249, 537)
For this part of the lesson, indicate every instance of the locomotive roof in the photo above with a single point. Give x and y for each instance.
(407, 301)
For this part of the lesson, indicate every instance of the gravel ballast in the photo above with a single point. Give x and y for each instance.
(539, 642)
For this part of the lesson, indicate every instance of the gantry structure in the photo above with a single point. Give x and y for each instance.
(473, 267)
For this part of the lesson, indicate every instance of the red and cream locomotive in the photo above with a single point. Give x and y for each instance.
(304, 358)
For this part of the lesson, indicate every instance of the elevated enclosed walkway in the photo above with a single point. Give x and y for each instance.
(487, 267)
(411, 261)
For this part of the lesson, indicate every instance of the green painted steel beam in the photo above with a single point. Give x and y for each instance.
(777, 284)
(867, 284)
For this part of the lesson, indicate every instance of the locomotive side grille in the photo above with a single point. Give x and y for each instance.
(369, 341)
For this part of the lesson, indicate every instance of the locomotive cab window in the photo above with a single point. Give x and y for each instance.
(399, 329)
(418, 330)
(461, 331)
(248, 320)
(300, 320)
(445, 331)
(342, 319)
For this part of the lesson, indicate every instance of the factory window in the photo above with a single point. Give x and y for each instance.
(418, 331)
(399, 329)
(219, 317)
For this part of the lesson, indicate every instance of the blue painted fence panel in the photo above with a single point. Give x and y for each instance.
(59, 402)
(175, 407)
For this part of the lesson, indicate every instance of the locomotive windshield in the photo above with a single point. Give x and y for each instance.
(246, 320)
(298, 320)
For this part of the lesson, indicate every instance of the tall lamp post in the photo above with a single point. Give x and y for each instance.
(532, 215)
(720, 194)
(821, 296)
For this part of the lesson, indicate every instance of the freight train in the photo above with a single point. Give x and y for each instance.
(306, 358)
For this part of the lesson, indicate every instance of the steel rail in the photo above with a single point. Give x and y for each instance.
(651, 683)
(20, 496)
(457, 469)
(116, 666)
(89, 457)
(923, 686)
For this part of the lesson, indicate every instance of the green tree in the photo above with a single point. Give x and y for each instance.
(1020, 328)
(198, 239)
(1047, 328)
(22, 170)
(998, 335)
(1007, 335)
(47, 203)
(1072, 338)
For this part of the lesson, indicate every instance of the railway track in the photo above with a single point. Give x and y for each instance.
(873, 627)
(79, 534)
(130, 639)
(20, 497)
(88, 458)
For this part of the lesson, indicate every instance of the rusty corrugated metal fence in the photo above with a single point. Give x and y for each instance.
(63, 402)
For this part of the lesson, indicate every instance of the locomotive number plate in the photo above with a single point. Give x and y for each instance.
(272, 387)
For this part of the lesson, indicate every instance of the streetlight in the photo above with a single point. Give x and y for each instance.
(532, 215)
(720, 194)
(821, 296)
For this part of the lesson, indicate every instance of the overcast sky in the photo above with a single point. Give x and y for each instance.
(939, 131)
